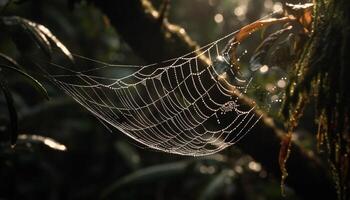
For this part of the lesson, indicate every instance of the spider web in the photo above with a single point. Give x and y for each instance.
(189, 105)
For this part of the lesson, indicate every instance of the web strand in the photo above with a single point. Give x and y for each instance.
(184, 105)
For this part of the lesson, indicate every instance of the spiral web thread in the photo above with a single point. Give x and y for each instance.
(179, 106)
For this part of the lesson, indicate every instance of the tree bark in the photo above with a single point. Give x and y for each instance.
(323, 77)
(155, 39)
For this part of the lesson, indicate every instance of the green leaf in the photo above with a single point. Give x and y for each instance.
(54, 40)
(9, 60)
(160, 172)
(11, 109)
(36, 84)
(148, 174)
(38, 33)
(49, 142)
(128, 154)
(214, 187)
(20, 25)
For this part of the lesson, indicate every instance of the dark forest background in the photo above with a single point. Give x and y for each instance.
(97, 162)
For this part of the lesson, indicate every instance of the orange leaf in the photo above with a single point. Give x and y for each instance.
(247, 30)
(250, 28)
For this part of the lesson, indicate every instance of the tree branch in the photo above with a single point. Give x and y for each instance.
(137, 22)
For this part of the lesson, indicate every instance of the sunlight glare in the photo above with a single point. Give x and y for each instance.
(218, 18)
(264, 69)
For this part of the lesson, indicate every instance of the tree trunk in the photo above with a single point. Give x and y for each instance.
(323, 74)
